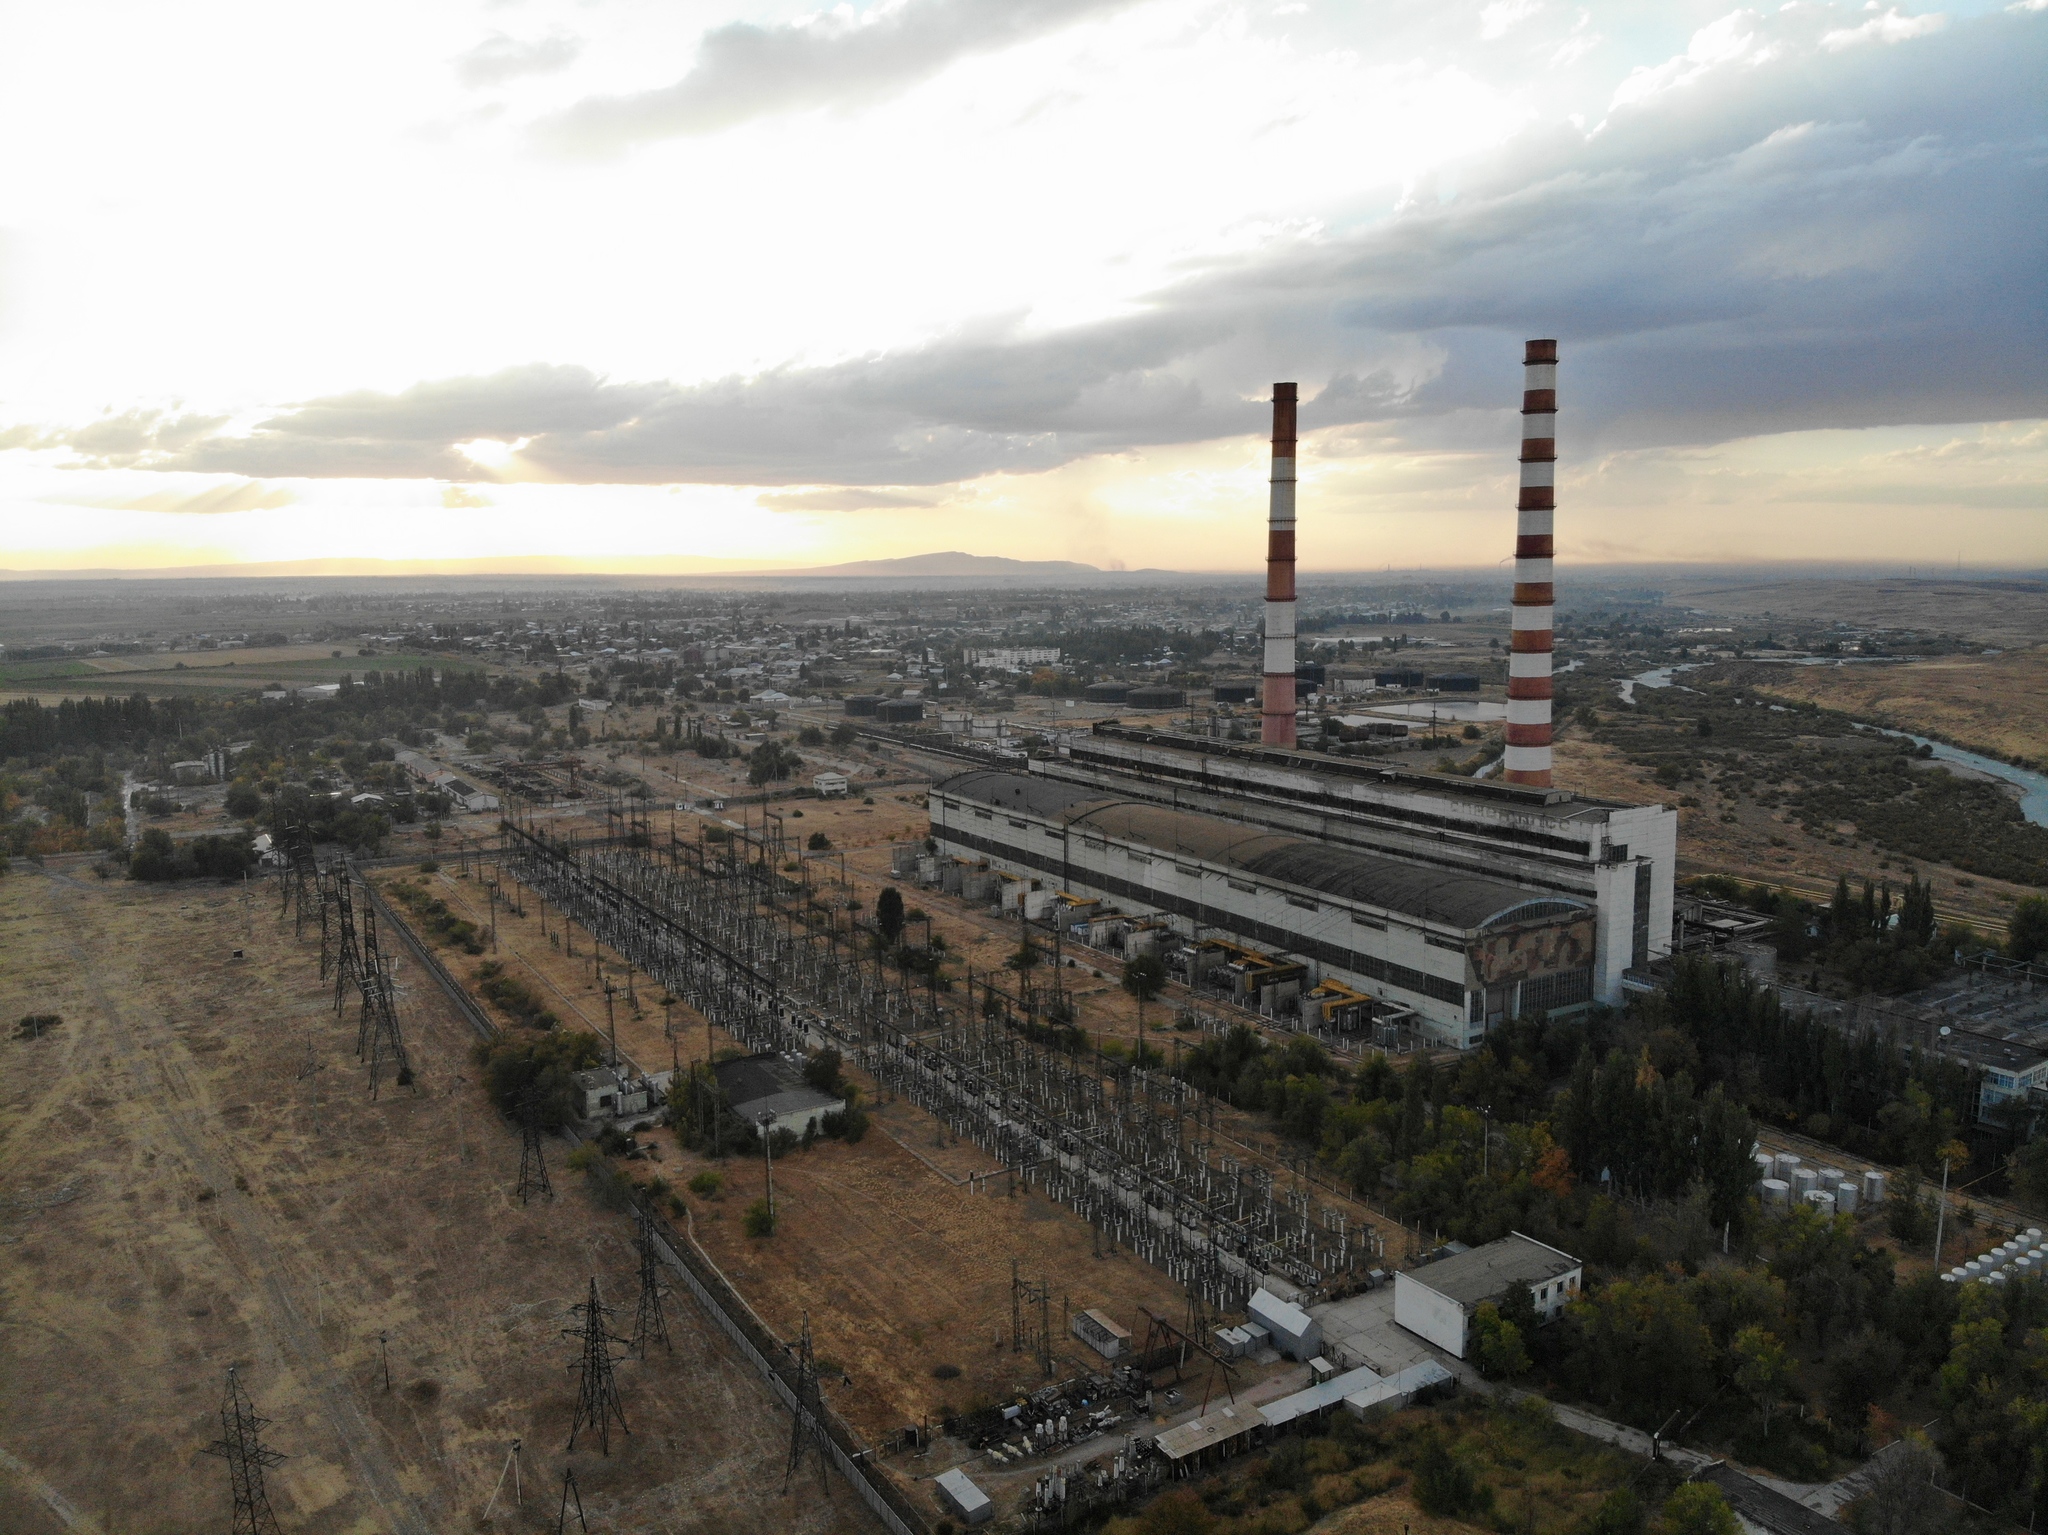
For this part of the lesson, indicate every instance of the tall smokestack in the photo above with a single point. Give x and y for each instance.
(1528, 754)
(1276, 726)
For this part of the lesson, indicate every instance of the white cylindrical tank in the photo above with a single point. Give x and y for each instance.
(1821, 1200)
(2022, 1267)
(2033, 1236)
(1997, 1278)
(1950, 1278)
(1804, 1180)
(1786, 1161)
(1974, 1269)
(1846, 1196)
(1830, 1176)
(1874, 1187)
(1776, 1191)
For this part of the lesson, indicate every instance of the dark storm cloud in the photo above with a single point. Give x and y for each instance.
(1825, 239)
(745, 71)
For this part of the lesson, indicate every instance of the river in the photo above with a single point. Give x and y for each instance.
(2033, 786)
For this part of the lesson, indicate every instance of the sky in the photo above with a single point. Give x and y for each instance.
(667, 286)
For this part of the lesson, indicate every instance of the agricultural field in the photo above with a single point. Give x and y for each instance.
(196, 1177)
(1989, 611)
(201, 673)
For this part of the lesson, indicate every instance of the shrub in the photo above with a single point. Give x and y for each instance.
(542, 1065)
(945, 1372)
(513, 996)
(1698, 1508)
(760, 1221)
(157, 858)
(819, 843)
(707, 1184)
(1444, 1485)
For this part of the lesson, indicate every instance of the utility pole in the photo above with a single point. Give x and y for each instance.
(768, 1154)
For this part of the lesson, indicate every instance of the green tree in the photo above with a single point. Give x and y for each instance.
(1497, 1348)
(1762, 1370)
(889, 914)
(1698, 1508)
(1444, 1485)
(2026, 934)
(1619, 1513)
(760, 1220)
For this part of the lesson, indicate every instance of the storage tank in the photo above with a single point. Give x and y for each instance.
(1804, 1181)
(1950, 1278)
(1788, 1162)
(1830, 1176)
(1776, 1191)
(1997, 1278)
(1874, 1187)
(1974, 1269)
(1846, 1195)
(1821, 1200)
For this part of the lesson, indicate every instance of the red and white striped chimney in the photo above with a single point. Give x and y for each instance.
(1528, 753)
(1276, 724)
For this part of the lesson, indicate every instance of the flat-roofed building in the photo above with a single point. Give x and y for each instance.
(1437, 1301)
(770, 1093)
(1446, 945)
(1617, 859)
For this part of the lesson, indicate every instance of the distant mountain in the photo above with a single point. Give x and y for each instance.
(951, 563)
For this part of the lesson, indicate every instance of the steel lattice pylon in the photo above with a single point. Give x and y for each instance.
(809, 1420)
(241, 1446)
(533, 1163)
(597, 1395)
(649, 1324)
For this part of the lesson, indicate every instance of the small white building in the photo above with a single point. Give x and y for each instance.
(830, 786)
(1437, 1301)
(962, 1499)
(606, 1093)
(1101, 1334)
(1294, 1332)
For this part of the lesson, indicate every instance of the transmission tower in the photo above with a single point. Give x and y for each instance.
(570, 1492)
(378, 1035)
(348, 955)
(597, 1395)
(809, 1420)
(241, 1446)
(649, 1324)
(533, 1163)
(299, 871)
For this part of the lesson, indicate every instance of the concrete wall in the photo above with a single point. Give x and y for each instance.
(1429, 1315)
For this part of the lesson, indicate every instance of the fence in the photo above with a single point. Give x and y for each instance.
(841, 1448)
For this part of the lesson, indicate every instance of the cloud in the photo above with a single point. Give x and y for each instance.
(208, 501)
(833, 58)
(1797, 238)
(461, 497)
(132, 439)
(838, 500)
(499, 58)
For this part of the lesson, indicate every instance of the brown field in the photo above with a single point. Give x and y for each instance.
(179, 1198)
(1995, 701)
(1990, 611)
(1742, 847)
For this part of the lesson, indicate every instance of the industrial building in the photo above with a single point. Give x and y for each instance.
(1458, 902)
(1619, 861)
(1456, 949)
(1437, 1301)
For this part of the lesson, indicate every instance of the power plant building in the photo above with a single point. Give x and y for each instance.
(1462, 902)
(1458, 949)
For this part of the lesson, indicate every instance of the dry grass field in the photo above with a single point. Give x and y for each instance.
(1743, 847)
(1995, 701)
(178, 1194)
(1990, 611)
